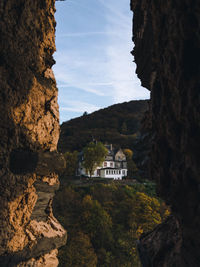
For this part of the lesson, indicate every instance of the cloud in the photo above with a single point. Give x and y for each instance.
(78, 106)
(85, 71)
(67, 81)
(121, 69)
(85, 34)
(88, 84)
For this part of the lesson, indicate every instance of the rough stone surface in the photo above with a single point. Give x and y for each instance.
(29, 124)
(48, 260)
(163, 247)
(167, 54)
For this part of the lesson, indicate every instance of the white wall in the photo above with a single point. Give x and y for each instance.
(114, 174)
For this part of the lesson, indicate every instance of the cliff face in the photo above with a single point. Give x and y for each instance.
(167, 53)
(29, 131)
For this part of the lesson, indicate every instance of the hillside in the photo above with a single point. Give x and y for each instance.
(118, 124)
(104, 221)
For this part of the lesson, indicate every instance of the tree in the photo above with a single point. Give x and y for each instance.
(94, 155)
(78, 251)
(132, 168)
(96, 222)
(145, 213)
(124, 128)
(85, 113)
(71, 163)
(129, 153)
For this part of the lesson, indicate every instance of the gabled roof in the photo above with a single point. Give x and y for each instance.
(111, 153)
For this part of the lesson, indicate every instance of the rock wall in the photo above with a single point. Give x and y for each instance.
(29, 131)
(167, 54)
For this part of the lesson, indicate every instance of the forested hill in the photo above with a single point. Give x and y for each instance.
(118, 124)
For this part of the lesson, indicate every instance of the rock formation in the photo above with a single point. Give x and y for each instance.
(167, 54)
(29, 131)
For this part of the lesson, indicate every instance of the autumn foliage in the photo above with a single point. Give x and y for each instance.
(104, 221)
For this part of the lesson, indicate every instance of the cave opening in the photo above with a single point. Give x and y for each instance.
(94, 67)
(29, 132)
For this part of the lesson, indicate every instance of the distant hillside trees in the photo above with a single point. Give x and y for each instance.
(71, 163)
(124, 128)
(85, 113)
(104, 222)
(79, 251)
(94, 155)
(132, 168)
(118, 125)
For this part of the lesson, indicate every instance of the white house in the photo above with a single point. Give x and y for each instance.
(114, 165)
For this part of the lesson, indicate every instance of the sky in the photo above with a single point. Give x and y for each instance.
(94, 68)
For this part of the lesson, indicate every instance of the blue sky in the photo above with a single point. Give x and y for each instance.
(94, 68)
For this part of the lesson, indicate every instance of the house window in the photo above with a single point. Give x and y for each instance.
(105, 164)
(119, 172)
(117, 164)
(111, 164)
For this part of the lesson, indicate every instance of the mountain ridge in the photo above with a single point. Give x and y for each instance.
(118, 124)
